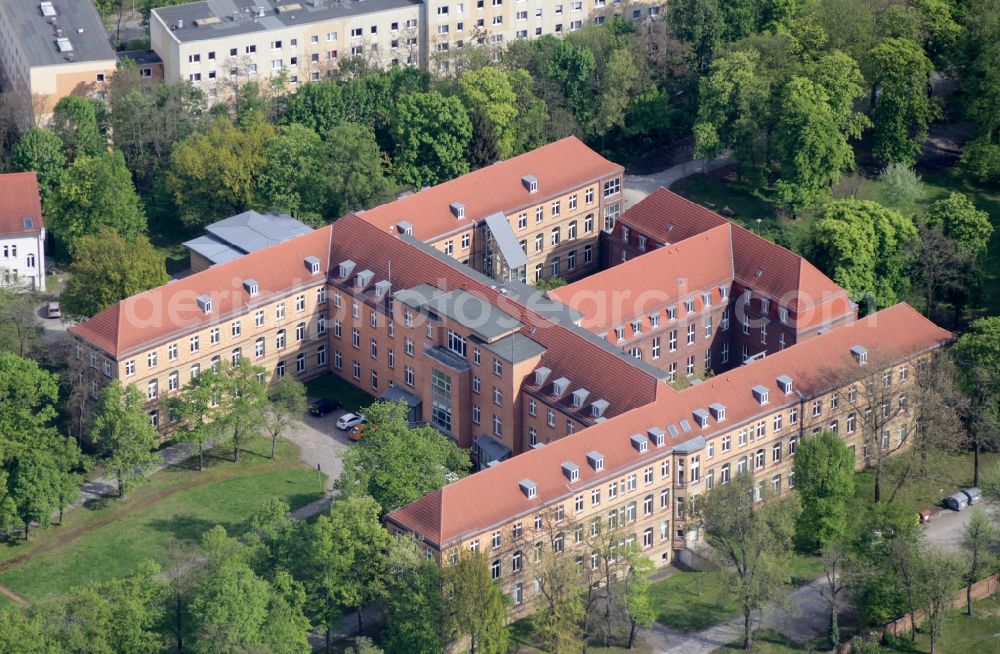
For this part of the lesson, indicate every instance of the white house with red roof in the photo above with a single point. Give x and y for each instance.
(22, 232)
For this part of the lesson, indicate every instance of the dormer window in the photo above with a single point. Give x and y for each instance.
(785, 384)
(405, 227)
(580, 396)
(345, 269)
(701, 417)
(640, 443)
(530, 183)
(760, 393)
(718, 411)
(458, 210)
(596, 460)
(598, 408)
(529, 488)
(559, 386)
(204, 303)
(541, 375)
(571, 471)
(251, 286)
(312, 264)
(657, 436)
(860, 354)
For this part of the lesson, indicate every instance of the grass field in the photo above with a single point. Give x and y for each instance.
(331, 386)
(163, 520)
(692, 601)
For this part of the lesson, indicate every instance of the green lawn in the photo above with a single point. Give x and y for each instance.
(522, 633)
(331, 386)
(692, 601)
(162, 520)
(767, 641)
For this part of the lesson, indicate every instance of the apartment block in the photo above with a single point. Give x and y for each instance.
(51, 49)
(22, 232)
(220, 44)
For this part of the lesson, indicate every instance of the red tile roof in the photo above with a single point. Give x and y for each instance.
(649, 282)
(666, 217)
(139, 322)
(493, 497)
(559, 167)
(568, 352)
(19, 199)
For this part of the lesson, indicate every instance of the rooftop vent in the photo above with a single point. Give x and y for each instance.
(363, 279)
(530, 182)
(760, 393)
(261, 12)
(312, 264)
(657, 436)
(559, 386)
(860, 354)
(571, 470)
(639, 443)
(405, 227)
(64, 45)
(345, 268)
(598, 407)
(529, 488)
(580, 396)
(47, 9)
(596, 460)
(458, 210)
(252, 287)
(204, 303)
(541, 375)
(208, 20)
(701, 417)
(718, 411)
(382, 288)
(785, 384)
(179, 25)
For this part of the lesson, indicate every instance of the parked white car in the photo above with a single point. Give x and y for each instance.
(350, 420)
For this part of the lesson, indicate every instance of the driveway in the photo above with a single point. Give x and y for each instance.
(946, 527)
(320, 442)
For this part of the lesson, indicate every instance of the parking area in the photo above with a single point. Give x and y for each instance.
(320, 442)
(946, 527)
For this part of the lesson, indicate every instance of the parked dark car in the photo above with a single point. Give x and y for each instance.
(322, 407)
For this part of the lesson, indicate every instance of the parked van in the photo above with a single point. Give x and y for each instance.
(974, 494)
(957, 502)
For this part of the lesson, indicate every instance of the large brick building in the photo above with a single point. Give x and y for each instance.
(569, 413)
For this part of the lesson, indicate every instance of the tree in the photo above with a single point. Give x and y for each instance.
(902, 186)
(699, 24)
(288, 401)
(215, 172)
(824, 477)
(978, 540)
(732, 110)
(234, 610)
(977, 355)
(636, 596)
(487, 92)
(941, 574)
(363, 645)
(619, 83)
(563, 621)
(244, 402)
(571, 67)
(19, 329)
(864, 247)
(901, 107)
(40, 150)
(476, 606)
(120, 615)
(882, 565)
(123, 431)
(291, 173)
(961, 221)
(431, 133)
(94, 192)
(399, 465)
(532, 113)
(752, 539)
(34, 486)
(811, 148)
(198, 410)
(317, 105)
(107, 269)
(74, 121)
(355, 170)
(414, 605)
(940, 267)
(483, 145)
(26, 632)
(835, 559)
(346, 560)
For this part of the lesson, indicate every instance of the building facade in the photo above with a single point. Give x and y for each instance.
(51, 49)
(22, 232)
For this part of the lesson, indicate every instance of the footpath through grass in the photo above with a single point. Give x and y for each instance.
(163, 520)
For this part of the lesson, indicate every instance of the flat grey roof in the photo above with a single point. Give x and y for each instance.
(245, 20)
(213, 249)
(474, 313)
(36, 34)
(250, 231)
(140, 57)
(515, 348)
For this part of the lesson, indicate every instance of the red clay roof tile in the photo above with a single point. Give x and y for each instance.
(19, 199)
